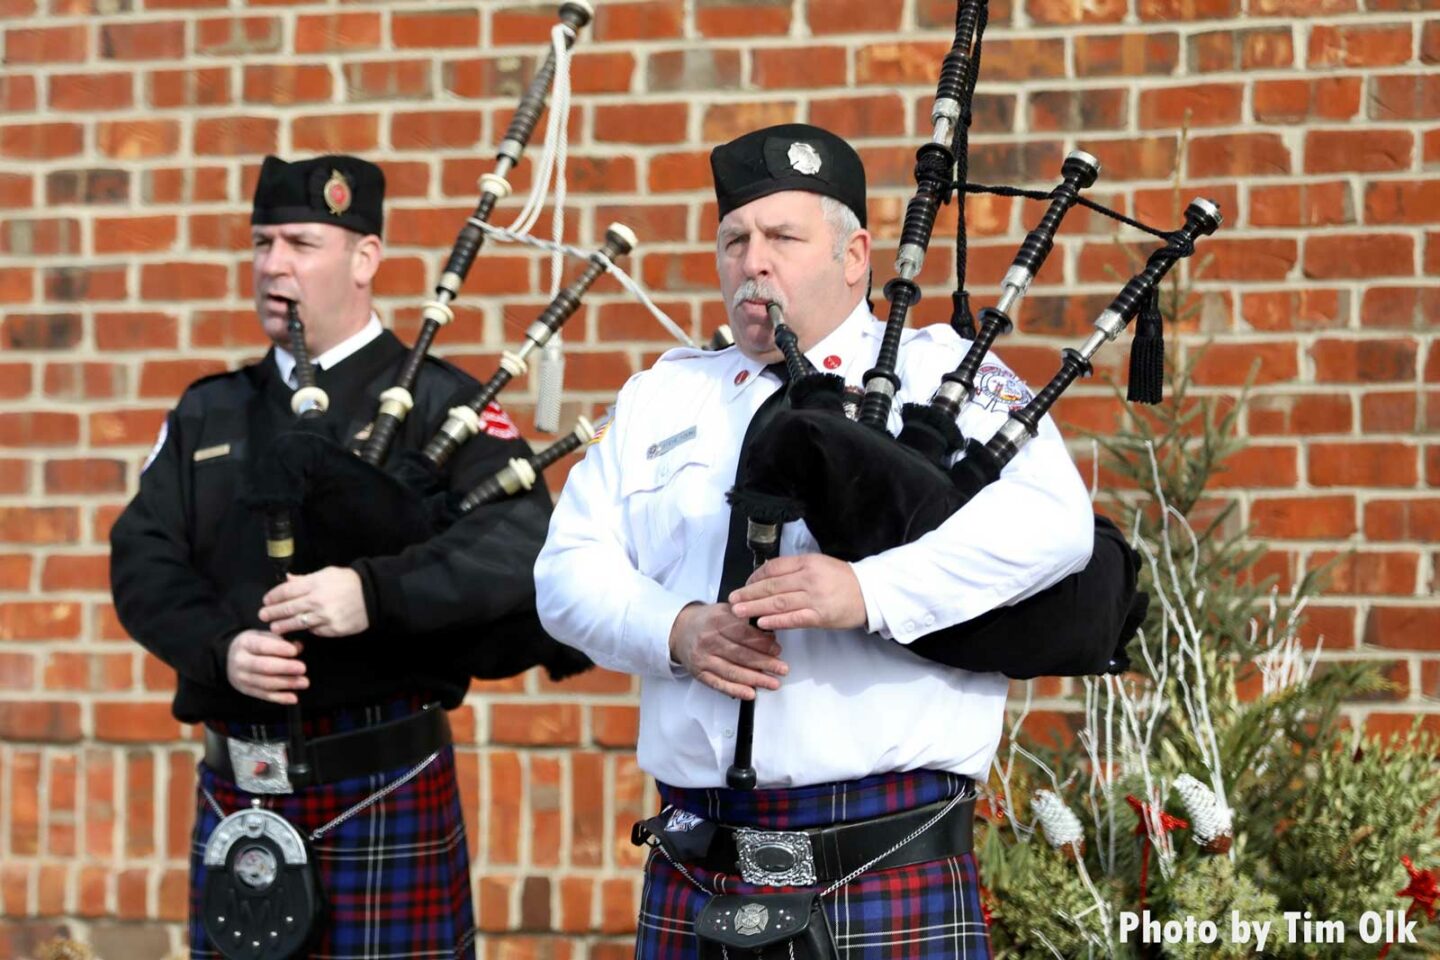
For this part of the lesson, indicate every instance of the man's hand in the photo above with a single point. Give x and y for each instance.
(262, 665)
(328, 603)
(806, 590)
(725, 652)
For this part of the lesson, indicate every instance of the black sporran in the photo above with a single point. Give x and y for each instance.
(261, 899)
(765, 926)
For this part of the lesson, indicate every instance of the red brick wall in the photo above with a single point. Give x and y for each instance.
(131, 134)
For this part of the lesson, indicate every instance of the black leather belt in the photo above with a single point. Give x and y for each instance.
(337, 756)
(840, 850)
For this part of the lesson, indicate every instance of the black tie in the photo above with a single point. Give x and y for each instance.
(739, 561)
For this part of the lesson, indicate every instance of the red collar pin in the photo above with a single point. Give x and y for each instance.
(831, 362)
(741, 377)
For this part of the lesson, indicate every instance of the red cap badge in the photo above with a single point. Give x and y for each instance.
(337, 193)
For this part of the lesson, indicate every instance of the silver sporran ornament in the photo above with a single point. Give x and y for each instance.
(751, 919)
(261, 899)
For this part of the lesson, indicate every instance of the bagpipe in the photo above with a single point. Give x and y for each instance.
(257, 857)
(374, 501)
(812, 462)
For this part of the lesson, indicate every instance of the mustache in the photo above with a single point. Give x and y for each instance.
(754, 289)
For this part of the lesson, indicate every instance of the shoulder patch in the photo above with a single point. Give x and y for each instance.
(497, 423)
(998, 388)
(603, 424)
(159, 445)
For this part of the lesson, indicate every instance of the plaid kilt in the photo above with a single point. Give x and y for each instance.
(925, 911)
(395, 878)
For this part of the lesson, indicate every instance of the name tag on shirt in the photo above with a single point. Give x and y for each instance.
(669, 443)
(211, 453)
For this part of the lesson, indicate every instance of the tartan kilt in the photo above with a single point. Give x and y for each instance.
(395, 878)
(925, 911)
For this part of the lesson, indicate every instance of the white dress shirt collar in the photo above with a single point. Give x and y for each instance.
(285, 360)
(834, 351)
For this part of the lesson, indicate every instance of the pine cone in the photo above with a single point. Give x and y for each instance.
(1061, 827)
(1211, 822)
(1218, 845)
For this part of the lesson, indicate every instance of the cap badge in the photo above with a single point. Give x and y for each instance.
(804, 159)
(337, 193)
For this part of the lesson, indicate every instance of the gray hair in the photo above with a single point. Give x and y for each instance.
(842, 221)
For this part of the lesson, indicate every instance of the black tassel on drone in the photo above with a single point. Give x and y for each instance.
(961, 319)
(1147, 354)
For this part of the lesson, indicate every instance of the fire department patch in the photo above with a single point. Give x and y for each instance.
(997, 387)
(497, 423)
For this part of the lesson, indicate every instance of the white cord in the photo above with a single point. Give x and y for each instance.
(552, 162)
(551, 367)
(509, 236)
(555, 133)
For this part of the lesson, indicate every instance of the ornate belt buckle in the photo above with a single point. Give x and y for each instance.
(260, 767)
(776, 858)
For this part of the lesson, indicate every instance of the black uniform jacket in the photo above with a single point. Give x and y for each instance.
(188, 562)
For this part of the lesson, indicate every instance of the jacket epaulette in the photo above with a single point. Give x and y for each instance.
(689, 353)
(202, 390)
(461, 376)
(941, 333)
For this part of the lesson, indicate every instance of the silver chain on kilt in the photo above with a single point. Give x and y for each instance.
(374, 798)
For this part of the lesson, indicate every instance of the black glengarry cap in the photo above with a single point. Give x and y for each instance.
(791, 156)
(337, 189)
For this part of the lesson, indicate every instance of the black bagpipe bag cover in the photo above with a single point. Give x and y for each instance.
(860, 492)
(344, 507)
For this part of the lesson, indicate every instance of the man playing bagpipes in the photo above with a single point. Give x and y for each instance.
(357, 833)
(865, 755)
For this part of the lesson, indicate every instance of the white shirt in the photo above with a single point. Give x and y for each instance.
(285, 360)
(640, 530)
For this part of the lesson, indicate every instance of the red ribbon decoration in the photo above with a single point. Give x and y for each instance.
(1424, 887)
(1142, 829)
